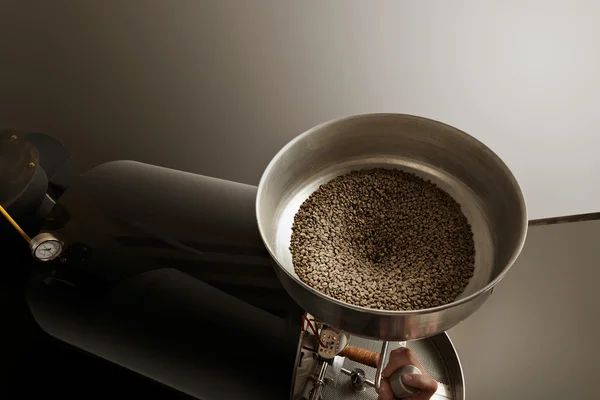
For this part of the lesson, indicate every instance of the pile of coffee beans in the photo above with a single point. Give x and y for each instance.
(384, 239)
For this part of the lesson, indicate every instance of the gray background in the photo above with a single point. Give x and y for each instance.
(537, 335)
(217, 87)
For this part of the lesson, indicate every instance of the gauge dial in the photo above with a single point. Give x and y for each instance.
(48, 250)
(46, 247)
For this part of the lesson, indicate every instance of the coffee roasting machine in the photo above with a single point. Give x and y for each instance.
(188, 280)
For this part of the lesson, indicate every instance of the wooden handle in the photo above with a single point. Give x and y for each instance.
(362, 356)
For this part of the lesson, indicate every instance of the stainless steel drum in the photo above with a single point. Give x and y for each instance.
(458, 163)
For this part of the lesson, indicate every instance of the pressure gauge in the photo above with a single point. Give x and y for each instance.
(46, 247)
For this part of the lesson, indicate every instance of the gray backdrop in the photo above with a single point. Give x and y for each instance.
(217, 87)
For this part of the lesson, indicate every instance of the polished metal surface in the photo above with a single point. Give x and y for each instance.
(165, 274)
(459, 164)
(455, 386)
(384, 356)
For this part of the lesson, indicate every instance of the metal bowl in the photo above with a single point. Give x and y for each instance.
(470, 172)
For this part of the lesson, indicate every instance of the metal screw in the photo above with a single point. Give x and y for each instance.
(31, 164)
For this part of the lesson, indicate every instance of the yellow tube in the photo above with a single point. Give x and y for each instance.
(14, 224)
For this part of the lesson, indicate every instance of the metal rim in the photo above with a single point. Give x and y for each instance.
(444, 344)
(42, 238)
(489, 286)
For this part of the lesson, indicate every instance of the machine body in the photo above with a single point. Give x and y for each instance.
(164, 273)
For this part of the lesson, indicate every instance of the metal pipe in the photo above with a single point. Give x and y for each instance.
(314, 395)
(384, 352)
